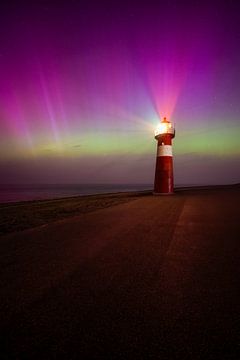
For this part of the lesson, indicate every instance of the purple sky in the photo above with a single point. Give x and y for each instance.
(84, 84)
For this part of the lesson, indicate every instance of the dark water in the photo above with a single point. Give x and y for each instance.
(12, 193)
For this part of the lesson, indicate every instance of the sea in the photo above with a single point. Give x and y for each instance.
(15, 193)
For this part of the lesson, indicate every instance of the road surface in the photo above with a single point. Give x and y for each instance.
(154, 278)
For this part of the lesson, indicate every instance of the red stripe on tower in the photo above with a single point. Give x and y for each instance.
(163, 184)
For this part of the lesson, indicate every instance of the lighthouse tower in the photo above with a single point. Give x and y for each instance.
(163, 184)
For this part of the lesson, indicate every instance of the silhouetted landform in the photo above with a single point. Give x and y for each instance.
(150, 277)
(206, 187)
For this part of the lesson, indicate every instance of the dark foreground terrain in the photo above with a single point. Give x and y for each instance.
(150, 278)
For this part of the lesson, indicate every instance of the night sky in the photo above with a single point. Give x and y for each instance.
(83, 85)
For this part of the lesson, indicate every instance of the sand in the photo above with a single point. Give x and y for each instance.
(151, 277)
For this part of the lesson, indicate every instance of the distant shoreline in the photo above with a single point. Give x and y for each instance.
(17, 193)
(108, 193)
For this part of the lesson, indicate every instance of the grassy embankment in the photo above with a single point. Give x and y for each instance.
(24, 215)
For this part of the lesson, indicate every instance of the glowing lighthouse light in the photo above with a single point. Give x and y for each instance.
(163, 184)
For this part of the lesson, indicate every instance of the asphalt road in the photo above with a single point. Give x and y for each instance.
(154, 278)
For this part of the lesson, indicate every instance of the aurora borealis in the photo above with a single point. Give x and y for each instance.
(84, 84)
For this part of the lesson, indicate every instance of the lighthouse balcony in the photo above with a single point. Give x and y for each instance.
(164, 130)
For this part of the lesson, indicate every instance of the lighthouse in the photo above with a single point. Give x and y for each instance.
(163, 184)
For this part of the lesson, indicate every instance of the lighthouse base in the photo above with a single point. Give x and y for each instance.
(162, 194)
(163, 183)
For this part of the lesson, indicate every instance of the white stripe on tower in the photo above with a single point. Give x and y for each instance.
(164, 150)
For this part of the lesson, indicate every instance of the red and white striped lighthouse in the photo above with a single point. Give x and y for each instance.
(163, 184)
